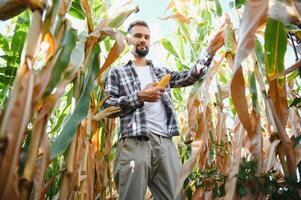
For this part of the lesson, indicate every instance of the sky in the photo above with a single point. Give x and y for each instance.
(151, 11)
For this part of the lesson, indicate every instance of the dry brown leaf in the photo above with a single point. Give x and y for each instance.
(297, 5)
(171, 5)
(254, 139)
(14, 124)
(87, 9)
(15, 129)
(270, 161)
(11, 8)
(177, 16)
(230, 186)
(34, 37)
(108, 26)
(298, 153)
(278, 95)
(64, 7)
(90, 172)
(193, 104)
(223, 159)
(286, 144)
(48, 38)
(214, 68)
(114, 53)
(106, 113)
(197, 147)
(254, 15)
(288, 70)
(41, 169)
(39, 129)
(283, 12)
(115, 20)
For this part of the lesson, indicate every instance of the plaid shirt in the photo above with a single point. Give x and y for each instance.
(122, 86)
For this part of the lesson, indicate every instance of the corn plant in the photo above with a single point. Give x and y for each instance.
(52, 146)
(240, 112)
(242, 118)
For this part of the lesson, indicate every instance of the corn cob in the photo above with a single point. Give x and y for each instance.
(164, 81)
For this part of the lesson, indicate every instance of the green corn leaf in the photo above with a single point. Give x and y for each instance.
(296, 102)
(68, 44)
(275, 47)
(64, 138)
(5, 80)
(181, 46)
(76, 10)
(218, 7)
(169, 47)
(10, 71)
(4, 43)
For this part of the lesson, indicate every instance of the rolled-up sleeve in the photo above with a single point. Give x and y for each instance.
(188, 77)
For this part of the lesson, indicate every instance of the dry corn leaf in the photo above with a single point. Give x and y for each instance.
(286, 144)
(197, 147)
(90, 173)
(171, 5)
(39, 185)
(11, 8)
(283, 12)
(64, 7)
(177, 16)
(270, 161)
(87, 9)
(48, 38)
(14, 129)
(297, 5)
(106, 113)
(114, 53)
(34, 37)
(254, 15)
(288, 70)
(14, 124)
(223, 159)
(230, 186)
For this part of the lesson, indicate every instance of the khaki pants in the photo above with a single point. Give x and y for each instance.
(153, 163)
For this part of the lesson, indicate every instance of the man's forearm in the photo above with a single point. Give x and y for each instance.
(204, 62)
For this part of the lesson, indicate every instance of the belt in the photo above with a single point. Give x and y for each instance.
(141, 138)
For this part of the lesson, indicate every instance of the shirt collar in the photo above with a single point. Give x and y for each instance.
(148, 62)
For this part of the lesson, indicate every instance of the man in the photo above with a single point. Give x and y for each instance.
(146, 155)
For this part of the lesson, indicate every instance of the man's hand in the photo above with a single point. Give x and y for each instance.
(150, 93)
(217, 41)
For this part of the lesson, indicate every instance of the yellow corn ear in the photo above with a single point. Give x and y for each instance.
(164, 81)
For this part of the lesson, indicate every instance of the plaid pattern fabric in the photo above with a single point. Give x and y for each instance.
(122, 86)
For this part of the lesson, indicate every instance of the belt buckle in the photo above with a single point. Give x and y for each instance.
(142, 138)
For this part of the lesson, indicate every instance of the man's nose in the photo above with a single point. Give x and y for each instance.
(142, 40)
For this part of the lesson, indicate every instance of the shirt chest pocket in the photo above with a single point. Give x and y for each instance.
(128, 85)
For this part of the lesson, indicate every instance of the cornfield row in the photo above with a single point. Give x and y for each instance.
(243, 118)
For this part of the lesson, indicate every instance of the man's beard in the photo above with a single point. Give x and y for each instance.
(141, 53)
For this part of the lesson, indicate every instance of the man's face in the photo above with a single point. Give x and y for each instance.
(139, 40)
